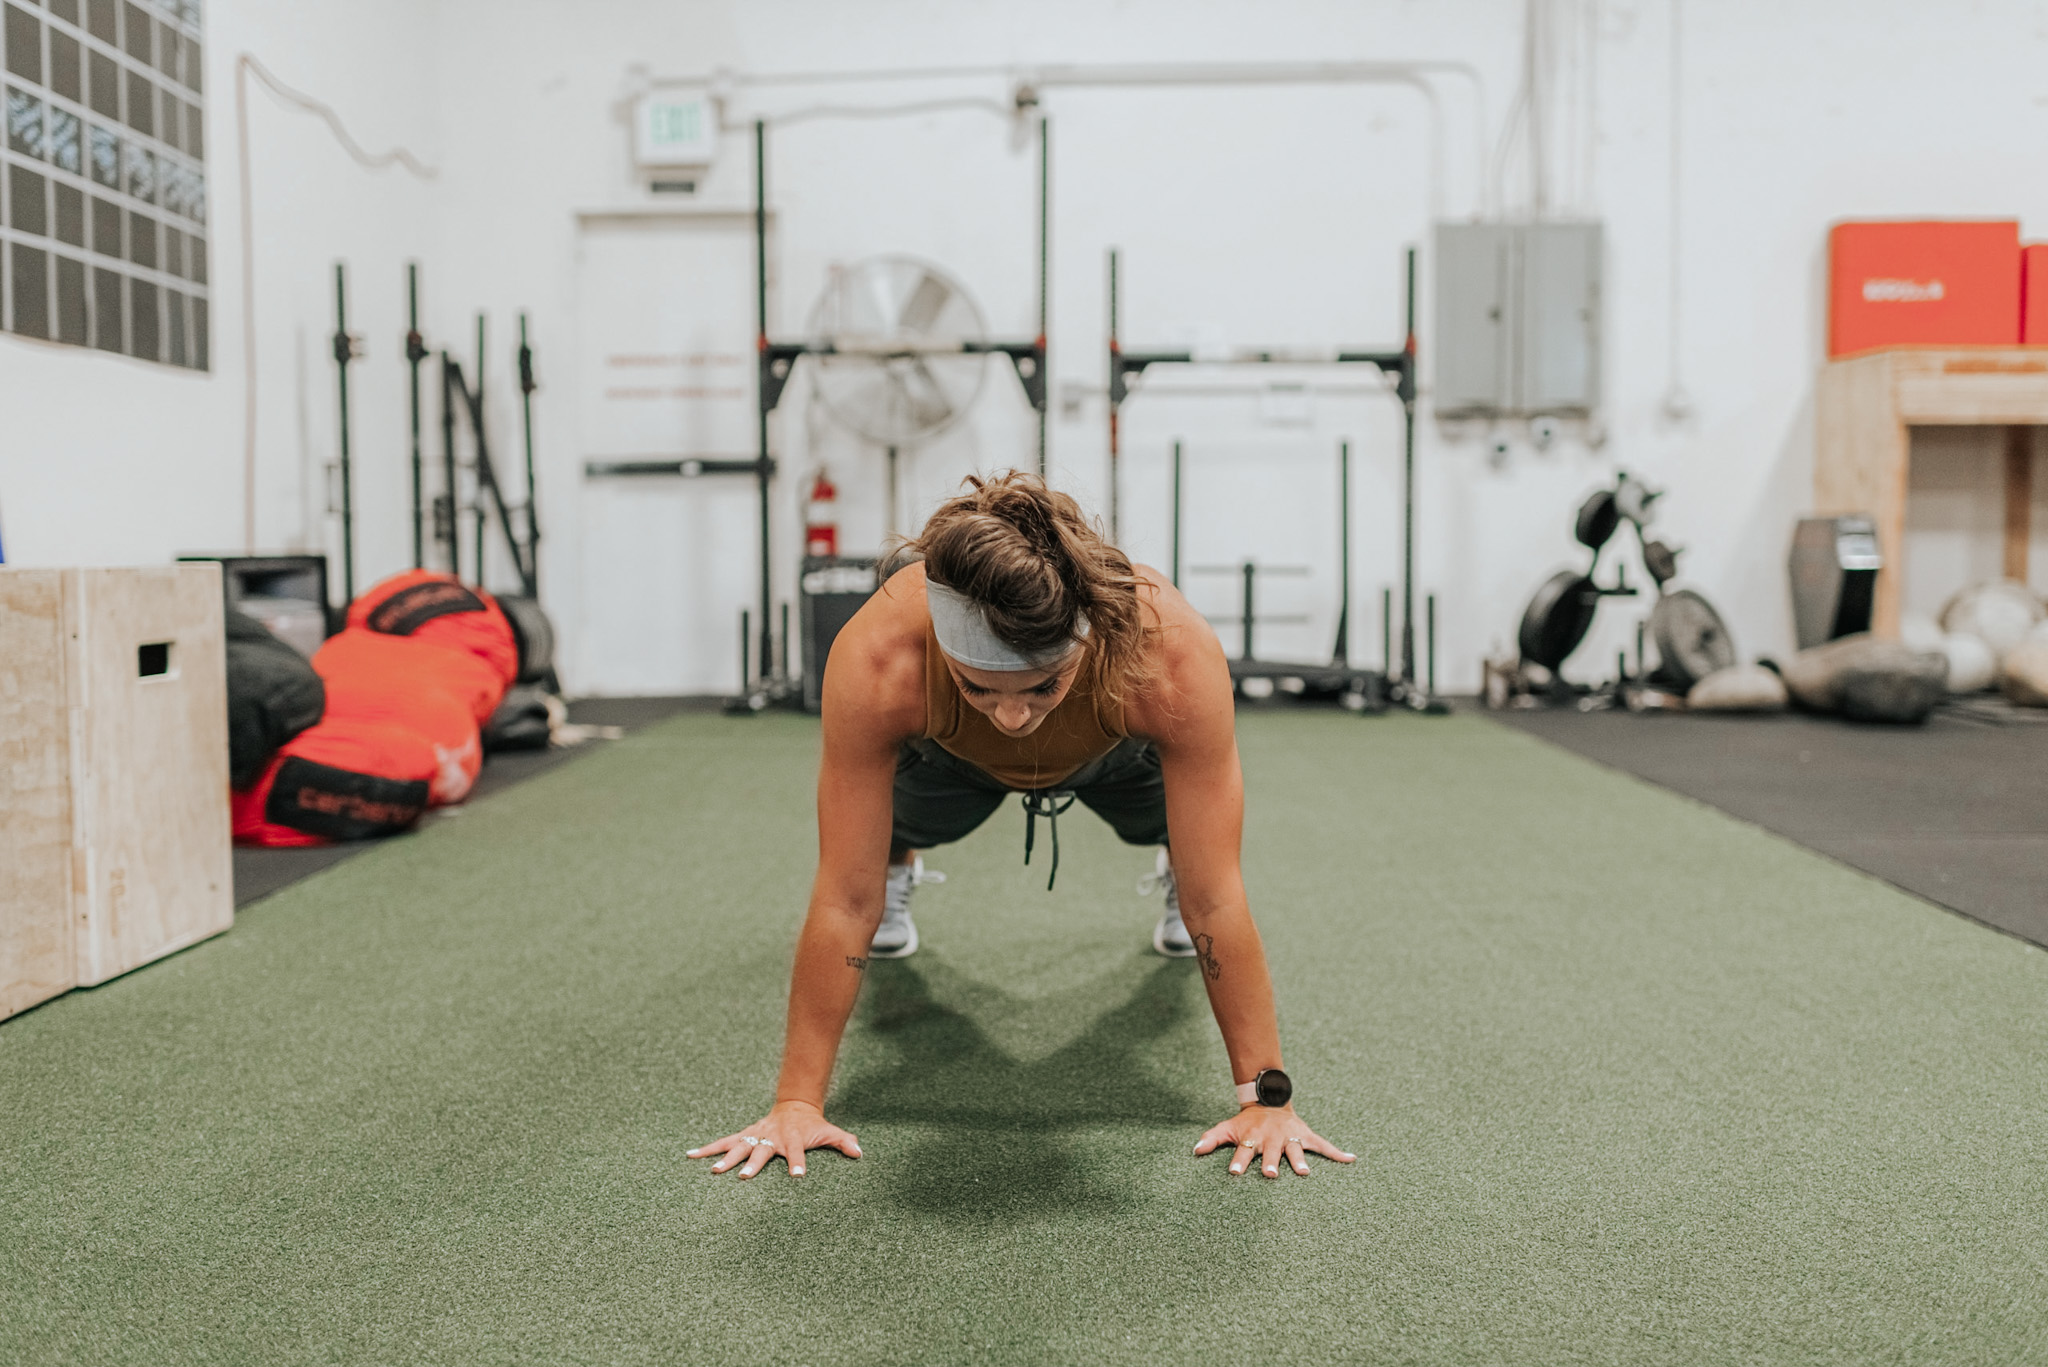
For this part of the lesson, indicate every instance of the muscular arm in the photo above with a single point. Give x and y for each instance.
(854, 796)
(874, 700)
(1189, 713)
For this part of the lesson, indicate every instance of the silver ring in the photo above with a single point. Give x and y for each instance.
(1294, 1141)
(752, 1140)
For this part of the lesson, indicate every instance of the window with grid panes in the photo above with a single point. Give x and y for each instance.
(103, 237)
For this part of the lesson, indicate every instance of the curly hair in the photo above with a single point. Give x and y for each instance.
(1037, 564)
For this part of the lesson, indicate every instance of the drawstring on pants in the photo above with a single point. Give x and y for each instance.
(1048, 803)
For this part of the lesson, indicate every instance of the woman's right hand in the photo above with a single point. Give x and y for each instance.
(790, 1129)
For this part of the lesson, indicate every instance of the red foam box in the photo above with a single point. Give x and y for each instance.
(1939, 283)
(2034, 294)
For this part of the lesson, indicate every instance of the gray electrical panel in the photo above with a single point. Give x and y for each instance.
(1517, 318)
(1474, 279)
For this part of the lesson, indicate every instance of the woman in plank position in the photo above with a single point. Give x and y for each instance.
(1025, 654)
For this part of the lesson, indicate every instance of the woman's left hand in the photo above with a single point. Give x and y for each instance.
(1269, 1133)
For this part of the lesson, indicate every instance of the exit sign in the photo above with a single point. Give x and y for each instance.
(676, 129)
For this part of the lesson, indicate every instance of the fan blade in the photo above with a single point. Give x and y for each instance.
(882, 295)
(922, 309)
(927, 401)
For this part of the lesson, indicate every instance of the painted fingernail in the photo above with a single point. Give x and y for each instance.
(1272, 1172)
(1351, 1155)
(1236, 1169)
(796, 1172)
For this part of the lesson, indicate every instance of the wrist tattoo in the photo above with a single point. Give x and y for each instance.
(856, 963)
(1205, 954)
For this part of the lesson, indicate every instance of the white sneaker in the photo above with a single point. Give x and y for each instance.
(1169, 937)
(896, 937)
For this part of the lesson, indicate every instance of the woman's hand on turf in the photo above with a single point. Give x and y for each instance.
(1269, 1134)
(789, 1130)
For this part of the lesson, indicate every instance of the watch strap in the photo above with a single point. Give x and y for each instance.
(1248, 1092)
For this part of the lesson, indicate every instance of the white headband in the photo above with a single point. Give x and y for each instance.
(961, 624)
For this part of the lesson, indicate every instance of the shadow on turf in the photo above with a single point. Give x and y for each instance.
(1003, 1137)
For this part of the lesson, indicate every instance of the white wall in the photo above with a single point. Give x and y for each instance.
(111, 461)
(1274, 214)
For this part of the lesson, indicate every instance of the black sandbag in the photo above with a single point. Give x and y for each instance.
(1867, 679)
(521, 721)
(273, 695)
(534, 633)
(1904, 693)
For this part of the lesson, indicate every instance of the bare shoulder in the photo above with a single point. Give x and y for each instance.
(1189, 692)
(874, 679)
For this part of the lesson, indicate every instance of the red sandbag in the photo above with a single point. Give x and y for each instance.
(422, 664)
(404, 665)
(423, 605)
(343, 779)
(440, 715)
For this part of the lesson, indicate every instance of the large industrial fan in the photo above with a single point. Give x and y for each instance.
(905, 360)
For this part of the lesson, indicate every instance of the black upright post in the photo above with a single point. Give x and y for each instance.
(526, 388)
(477, 412)
(450, 530)
(1407, 392)
(1387, 632)
(1114, 350)
(1044, 269)
(415, 352)
(344, 352)
(1176, 513)
(1250, 574)
(1340, 654)
(761, 332)
(746, 641)
(1429, 679)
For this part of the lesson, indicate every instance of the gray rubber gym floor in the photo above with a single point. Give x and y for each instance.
(1955, 810)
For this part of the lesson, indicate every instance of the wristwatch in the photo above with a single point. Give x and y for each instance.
(1270, 1088)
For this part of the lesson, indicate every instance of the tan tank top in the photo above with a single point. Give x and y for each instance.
(1074, 733)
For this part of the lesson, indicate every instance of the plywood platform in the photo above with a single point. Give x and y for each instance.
(113, 725)
(1869, 403)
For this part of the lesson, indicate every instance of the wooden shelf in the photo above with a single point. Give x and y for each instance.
(1868, 405)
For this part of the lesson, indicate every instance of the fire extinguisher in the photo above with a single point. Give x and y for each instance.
(821, 523)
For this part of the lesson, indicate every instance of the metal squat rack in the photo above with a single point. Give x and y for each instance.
(522, 537)
(1400, 688)
(773, 683)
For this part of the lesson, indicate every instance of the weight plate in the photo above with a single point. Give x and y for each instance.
(1691, 638)
(1598, 517)
(1558, 618)
(1661, 561)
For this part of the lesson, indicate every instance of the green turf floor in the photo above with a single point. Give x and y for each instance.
(1629, 1082)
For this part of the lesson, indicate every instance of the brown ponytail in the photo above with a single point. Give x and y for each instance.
(1037, 564)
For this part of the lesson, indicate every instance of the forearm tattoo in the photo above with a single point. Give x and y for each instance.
(857, 964)
(1205, 954)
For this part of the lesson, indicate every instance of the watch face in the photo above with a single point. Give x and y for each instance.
(1275, 1088)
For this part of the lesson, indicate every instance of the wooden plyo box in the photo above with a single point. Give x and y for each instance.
(114, 835)
(1866, 409)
